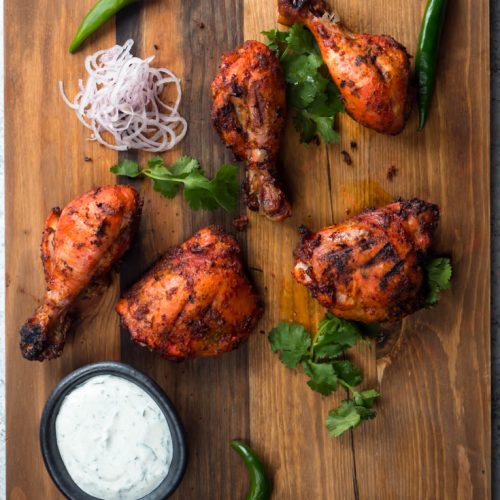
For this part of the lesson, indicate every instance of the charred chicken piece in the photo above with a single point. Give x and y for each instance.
(80, 244)
(369, 268)
(372, 72)
(195, 301)
(248, 112)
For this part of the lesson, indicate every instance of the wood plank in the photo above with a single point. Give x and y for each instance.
(45, 146)
(431, 438)
(211, 395)
(425, 442)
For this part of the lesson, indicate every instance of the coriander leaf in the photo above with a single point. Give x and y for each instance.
(334, 336)
(163, 182)
(184, 166)
(366, 398)
(168, 189)
(155, 161)
(225, 187)
(158, 171)
(199, 191)
(318, 116)
(302, 69)
(276, 40)
(127, 168)
(338, 330)
(322, 375)
(311, 93)
(305, 82)
(306, 127)
(327, 350)
(292, 341)
(180, 169)
(301, 95)
(325, 128)
(301, 41)
(347, 372)
(365, 413)
(347, 416)
(328, 103)
(221, 191)
(272, 35)
(438, 273)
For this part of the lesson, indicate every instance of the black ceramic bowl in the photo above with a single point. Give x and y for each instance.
(48, 442)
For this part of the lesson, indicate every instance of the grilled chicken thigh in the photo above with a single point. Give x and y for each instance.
(80, 244)
(369, 268)
(195, 301)
(248, 112)
(372, 72)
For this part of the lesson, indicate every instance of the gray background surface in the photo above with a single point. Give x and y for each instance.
(495, 164)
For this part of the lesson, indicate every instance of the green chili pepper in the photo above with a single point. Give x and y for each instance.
(260, 487)
(96, 17)
(427, 55)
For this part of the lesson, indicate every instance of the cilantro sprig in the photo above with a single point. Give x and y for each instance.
(311, 92)
(321, 358)
(200, 192)
(438, 272)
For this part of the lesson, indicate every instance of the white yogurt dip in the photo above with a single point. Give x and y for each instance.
(113, 439)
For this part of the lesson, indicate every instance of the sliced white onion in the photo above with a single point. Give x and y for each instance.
(122, 96)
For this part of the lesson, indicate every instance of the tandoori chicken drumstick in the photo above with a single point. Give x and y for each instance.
(370, 268)
(372, 72)
(80, 244)
(248, 112)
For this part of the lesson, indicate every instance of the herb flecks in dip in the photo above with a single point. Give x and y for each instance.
(113, 439)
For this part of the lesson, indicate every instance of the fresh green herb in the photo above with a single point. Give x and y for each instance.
(311, 92)
(292, 340)
(323, 378)
(200, 193)
(319, 357)
(347, 416)
(438, 272)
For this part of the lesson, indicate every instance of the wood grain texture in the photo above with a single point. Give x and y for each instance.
(45, 148)
(431, 438)
(210, 395)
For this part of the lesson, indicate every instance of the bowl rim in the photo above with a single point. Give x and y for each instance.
(48, 441)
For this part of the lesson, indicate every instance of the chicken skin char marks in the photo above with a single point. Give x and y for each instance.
(248, 112)
(372, 72)
(370, 268)
(196, 301)
(80, 244)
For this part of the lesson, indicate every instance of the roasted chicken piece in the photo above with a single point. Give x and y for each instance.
(248, 112)
(80, 244)
(196, 301)
(372, 72)
(369, 268)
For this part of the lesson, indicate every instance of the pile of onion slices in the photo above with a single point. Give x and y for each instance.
(122, 101)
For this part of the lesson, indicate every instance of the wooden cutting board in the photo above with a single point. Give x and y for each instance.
(431, 438)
